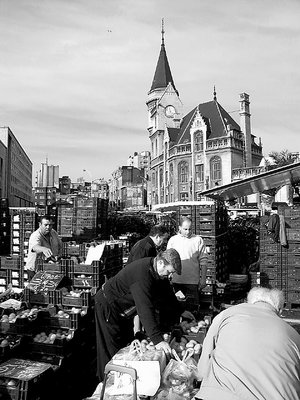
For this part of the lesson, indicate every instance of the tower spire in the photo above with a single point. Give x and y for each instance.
(215, 93)
(162, 75)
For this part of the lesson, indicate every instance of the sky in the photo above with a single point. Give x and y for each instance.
(74, 75)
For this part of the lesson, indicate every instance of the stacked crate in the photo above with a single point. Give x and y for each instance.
(210, 221)
(4, 227)
(86, 216)
(65, 220)
(279, 265)
(23, 223)
(11, 272)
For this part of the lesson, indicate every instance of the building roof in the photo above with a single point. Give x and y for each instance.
(215, 117)
(275, 178)
(162, 75)
(173, 134)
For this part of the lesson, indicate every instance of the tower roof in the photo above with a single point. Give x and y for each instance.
(163, 74)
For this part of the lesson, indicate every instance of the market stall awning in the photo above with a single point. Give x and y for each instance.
(287, 175)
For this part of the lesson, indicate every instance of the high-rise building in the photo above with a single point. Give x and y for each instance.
(48, 175)
(195, 151)
(15, 171)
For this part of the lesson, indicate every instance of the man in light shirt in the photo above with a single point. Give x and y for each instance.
(192, 251)
(44, 244)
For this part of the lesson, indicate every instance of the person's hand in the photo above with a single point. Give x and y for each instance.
(163, 345)
(47, 252)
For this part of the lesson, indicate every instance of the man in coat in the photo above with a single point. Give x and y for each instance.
(251, 353)
(135, 286)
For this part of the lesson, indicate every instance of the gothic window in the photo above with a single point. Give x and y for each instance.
(156, 148)
(153, 179)
(199, 173)
(161, 184)
(198, 141)
(161, 178)
(183, 170)
(215, 169)
(171, 174)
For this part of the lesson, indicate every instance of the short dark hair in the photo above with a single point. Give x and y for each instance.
(46, 216)
(171, 256)
(159, 230)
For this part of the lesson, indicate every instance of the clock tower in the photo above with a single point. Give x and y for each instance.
(165, 111)
(163, 102)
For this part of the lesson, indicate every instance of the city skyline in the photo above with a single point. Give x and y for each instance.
(74, 76)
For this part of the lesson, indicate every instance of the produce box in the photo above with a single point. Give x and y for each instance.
(83, 300)
(51, 297)
(23, 379)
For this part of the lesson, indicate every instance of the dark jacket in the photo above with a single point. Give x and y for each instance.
(137, 284)
(143, 248)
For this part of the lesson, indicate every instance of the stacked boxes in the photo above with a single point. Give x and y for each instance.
(23, 223)
(11, 272)
(4, 227)
(85, 218)
(279, 265)
(65, 217)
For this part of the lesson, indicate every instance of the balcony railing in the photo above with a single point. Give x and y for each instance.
(242, 173)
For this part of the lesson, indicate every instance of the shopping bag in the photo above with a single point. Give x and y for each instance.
(147, 365)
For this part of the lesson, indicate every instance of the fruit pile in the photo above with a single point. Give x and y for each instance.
(9, 340)
(181, 346)
(12, 316)
(53, 336)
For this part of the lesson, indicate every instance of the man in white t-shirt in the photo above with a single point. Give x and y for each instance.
(192, 251)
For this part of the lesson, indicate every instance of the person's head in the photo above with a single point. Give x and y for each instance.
(185, 227)
(167, 263)
(159, 234)
(274, 297)
(45, 222)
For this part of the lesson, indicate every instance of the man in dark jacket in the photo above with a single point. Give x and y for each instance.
(147, 247)
(136, 285)
(166, 303)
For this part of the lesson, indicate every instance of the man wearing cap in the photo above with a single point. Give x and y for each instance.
(134, 287)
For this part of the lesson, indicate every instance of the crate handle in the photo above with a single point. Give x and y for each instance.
(122, 369)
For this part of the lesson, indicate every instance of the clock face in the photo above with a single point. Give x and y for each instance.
(170, 111)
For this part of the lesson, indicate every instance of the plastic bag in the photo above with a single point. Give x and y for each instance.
(137, 352)
(178, 378)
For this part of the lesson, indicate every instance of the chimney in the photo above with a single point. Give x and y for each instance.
(246, 127)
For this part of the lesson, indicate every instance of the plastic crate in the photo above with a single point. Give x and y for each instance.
(14, 262)
(54, 267)
(27, 379)
(84, 300)
(293, 234)
(57, 322)
(52, 297)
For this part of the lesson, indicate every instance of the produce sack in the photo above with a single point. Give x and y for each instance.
(148, 363)
(178, 378)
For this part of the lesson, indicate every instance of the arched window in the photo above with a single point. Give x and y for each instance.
(183, 171)
(161, 183)
(171, 174)
(215, 169)
(198, 141)
(153, 179)
(161, 178)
